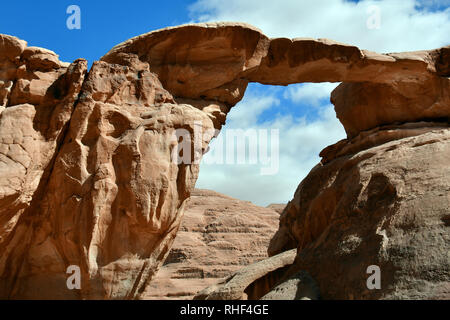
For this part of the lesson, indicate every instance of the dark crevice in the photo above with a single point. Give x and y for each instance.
(28, 215)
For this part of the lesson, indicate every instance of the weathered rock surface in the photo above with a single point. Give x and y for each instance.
(388, 205)
(402, 102)
(38, 100)
(89, 177)
(218, 236)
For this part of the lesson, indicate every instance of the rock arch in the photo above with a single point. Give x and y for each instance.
(215, 62)
(89, 180)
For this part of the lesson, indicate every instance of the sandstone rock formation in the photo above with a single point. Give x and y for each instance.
(88, 176)
(251, 282)
(218, 236)
(88, 180)
(388, 206)
(300, 286)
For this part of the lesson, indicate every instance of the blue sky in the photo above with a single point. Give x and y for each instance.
(302, 113)
(103, 23)
(107, 23)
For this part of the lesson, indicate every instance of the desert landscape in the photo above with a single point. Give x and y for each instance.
(98, 171)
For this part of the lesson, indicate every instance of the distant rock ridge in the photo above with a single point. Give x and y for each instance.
(218, 236)
(87, 177)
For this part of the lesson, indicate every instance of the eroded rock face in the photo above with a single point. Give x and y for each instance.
(30, 134)
(218, 236)
(401, 102)
(113, 198)
(102, 194)
(387, 205)
(251, 282)
(88, 176)
(300, 286)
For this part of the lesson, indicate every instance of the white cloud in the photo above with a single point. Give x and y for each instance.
(300, 144)
(404, 26)
(311, 93)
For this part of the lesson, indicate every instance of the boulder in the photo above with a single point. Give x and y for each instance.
(300, 286)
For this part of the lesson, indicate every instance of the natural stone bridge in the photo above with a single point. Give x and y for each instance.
(86, 176)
